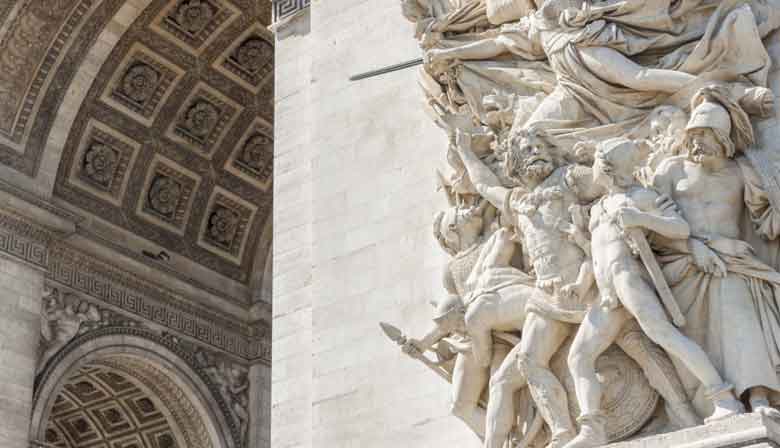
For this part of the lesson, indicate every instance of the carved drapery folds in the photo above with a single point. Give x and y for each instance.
(600, 181)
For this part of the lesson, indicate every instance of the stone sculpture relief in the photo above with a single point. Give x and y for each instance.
(611, 210)
(232, 380)
(62, 319)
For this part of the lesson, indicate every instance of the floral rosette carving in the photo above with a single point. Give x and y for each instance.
(255, 150)
(100, 163)
(223, 226)
(140, 83)
(164, 195)
(195, 15)
(253, 54)
(201, 119)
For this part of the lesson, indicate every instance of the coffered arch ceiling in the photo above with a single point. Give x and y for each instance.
(172, 143)
(103, 407)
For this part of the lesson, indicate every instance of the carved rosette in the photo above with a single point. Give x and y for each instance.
(164, 195)
(140, 82)
(204, 120)
(253, 157)
(100, 164)
(168, 195)
(223, 226)
(103, 162)
(200, 120)
(195, 23)
(249, 61)
(254, 54)
(194, 15)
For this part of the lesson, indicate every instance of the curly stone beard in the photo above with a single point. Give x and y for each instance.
(538, 171)
(529, 172)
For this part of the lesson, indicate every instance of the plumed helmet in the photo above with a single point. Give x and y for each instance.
(709, 114)
(713, 107)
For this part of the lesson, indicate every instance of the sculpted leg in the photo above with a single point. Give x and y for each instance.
(500, 412)
(468, 382)
(541, 340)
(596, 333)
(640, 299)
(483, 49)
(613, 66)
(480, 316)
(503, 310)
(660, 372)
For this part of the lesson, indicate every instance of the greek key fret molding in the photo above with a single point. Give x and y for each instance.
(287, 8)
(24, 241)
(109, 284)
(38, 246)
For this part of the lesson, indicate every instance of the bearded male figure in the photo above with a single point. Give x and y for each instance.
(541, 211)
(729, 295)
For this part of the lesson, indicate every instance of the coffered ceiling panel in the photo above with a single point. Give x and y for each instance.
(174, 142)
(102, 408)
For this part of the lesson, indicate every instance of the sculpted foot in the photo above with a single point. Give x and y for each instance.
(592, 432)
(560, 440)
(762, 406)
(726, 405)
(767, 411)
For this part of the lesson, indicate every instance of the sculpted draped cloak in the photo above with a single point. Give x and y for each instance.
(721, 39)
(736, 318)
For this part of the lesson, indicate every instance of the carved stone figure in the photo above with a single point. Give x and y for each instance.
(618, 223)
(482, 298)
(61, 322)
(590, 47)
(564, 286)
(232, 380)
(715, 187)
(633, 117)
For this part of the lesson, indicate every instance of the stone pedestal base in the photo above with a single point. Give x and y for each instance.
(749, 430)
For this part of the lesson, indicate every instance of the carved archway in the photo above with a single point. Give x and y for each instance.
(152, 375)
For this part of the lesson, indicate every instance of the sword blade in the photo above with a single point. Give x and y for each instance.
(388, 69)
(665, 293)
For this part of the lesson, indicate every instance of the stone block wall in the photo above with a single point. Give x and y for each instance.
(20, 328)
(354, 203)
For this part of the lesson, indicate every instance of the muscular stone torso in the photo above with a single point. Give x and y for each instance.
(711, 202)
(614, 254)
(556, 259)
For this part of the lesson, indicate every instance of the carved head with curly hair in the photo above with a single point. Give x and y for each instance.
(530, 157)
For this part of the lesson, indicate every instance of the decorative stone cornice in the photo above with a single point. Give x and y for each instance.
(33, 235)
(155, 304)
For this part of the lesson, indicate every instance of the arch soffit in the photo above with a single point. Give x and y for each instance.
(159, 369)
